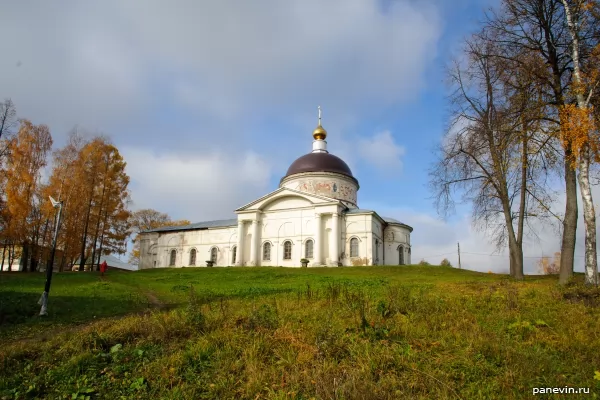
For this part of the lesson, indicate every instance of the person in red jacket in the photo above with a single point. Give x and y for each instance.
(103, 267)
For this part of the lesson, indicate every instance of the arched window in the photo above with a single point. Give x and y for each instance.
(233, 254)
(267, 251)
(400, 255)
(354, 247)
(308, 248)
(193, 257)
(213, 254)
(376, 249)
(287, 250)
(172, 260)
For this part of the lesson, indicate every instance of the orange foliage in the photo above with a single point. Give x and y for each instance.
(89, 177)
(547, 266)
(578, 128)
(27, 156)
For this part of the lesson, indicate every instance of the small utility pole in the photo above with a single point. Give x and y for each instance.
(50, 267)
(459, 267)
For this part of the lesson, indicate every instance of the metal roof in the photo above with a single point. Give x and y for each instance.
(364, 210)
(392, 220)
(220, 223)
(359, 211)
(112, 261)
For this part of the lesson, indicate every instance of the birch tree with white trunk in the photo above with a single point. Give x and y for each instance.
(577, 124)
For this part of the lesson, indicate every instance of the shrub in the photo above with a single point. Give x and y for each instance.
(546, 266)
(423, 262)
(445, 263)
(263, 317)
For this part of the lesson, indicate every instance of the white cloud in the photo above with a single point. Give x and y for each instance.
(270, 53)
(205, 187)
(109, 63)
(68, 65)
(228, 66)
(382, 151)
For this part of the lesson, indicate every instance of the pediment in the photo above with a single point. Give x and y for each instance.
(285, 198)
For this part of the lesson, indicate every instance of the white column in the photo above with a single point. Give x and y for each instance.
(317, 260)
(239, 255)
(254, 243)
(335, 239)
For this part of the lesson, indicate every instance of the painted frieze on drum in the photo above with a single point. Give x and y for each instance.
(329, 189)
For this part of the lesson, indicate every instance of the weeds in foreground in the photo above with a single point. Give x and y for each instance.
(338, 341)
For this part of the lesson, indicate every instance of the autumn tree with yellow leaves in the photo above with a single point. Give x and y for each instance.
(64, 185)
(89, 177)
(8, 122)
(110, 214)
(27, 152)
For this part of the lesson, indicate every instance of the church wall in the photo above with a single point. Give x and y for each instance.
(279, 224)
(183, 242)
(359, 227)
(247, 243)
(376, 241)
(395, 236)
(148, 250)
(276, 225)
(370, 231)
(327, 238)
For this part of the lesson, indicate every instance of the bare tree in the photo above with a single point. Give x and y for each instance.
(494, 149)
(537, 27)
(8, 121)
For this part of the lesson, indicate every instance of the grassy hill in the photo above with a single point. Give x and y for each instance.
(325, 333)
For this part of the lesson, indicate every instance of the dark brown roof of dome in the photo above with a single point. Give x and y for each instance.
(319, 162)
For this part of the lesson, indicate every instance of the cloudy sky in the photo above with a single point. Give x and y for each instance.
(210, 102)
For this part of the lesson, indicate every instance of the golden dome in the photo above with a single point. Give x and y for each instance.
(320, 133)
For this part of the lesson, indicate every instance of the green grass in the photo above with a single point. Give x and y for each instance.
(278, 333)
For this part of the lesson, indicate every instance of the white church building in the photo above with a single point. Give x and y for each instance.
(313, 215)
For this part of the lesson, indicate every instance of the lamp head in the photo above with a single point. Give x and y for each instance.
(54, 202)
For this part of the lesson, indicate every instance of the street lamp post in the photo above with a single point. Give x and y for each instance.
(44, 299)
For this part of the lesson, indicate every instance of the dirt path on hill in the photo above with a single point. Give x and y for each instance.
(154, 301)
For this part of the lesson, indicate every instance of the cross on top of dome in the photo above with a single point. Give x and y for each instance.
(319, 133)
